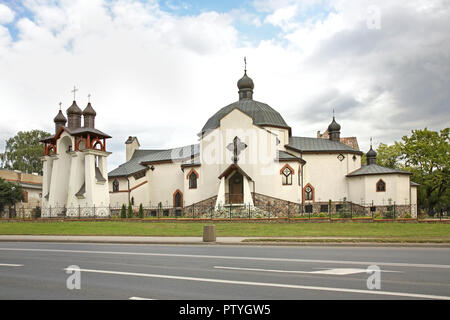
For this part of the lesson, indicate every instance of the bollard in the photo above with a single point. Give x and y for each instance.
(209, 233)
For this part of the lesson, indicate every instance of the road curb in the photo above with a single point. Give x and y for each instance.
(264, 243)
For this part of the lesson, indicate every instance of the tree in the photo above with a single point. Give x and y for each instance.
(390, 156)
(123, 212)
(130, 211)
(10, 194)
(426, 155)
(141, 211)
(23, 151)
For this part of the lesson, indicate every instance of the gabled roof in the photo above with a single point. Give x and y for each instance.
(375, 169)
(234, 167)
(312, 145)
(141, 158)
(261, 113)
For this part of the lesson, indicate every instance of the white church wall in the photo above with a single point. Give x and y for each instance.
(357, 189)
(163, 182)
(76, 179)
(60, 172)
(326, 173)
(397, 189)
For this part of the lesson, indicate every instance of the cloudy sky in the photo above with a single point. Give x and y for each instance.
(159, 69)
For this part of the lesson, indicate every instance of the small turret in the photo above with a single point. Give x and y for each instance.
(89, 116)
(334, 131)
(60, 120)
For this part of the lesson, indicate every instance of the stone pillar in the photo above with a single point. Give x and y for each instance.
(209, 233)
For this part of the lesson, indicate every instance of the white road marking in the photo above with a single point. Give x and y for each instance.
(139, 298)
(337, 271)
(10, 265)
(268, 284)
(394, 264)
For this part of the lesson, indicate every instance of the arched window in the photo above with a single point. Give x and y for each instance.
(286, 175)
(381, 186)
(178, 199)
(308, 192)
(132, 201)
(192, 180)
(116, 185)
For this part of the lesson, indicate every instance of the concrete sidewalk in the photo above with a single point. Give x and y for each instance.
(219, 240)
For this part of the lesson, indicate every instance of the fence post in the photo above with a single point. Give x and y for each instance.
(394, 210)
(50, 211)
(94, 211)
(230, 210)
(249, 211)
(351, 210)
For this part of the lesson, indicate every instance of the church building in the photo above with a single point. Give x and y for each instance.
(248, 156)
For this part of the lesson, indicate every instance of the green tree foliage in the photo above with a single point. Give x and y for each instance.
(426, 154)
(390, 156)
(123, 212)
(10, 193)
(130, 211)
(23, 152)
(141, 211)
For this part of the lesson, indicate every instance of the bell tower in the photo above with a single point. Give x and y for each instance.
(74, 166)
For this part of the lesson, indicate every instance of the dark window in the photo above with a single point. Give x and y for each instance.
(166, 213)
(178, 213)
(287, 176)
(381, 186)
(309, 193)
(178, 200)
(153, 213)
(309, 208)
(192, 180)
(373, 209)
(324, 208)
(25, 196)
(132, 201)
(338, 207)
(116, 185)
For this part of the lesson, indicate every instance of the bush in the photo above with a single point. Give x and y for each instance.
(322, 215)
(407, 216)
(37, 212)
(141, 211)
(123, 212)
(130, 211)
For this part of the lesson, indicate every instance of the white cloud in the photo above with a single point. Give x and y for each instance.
(6, 14)
(161, 76)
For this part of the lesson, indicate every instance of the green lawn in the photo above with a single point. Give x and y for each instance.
(397, 230)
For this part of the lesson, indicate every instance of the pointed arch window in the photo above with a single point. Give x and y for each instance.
(308, 193)
(192, 181)
(381, 186)
(178, 199)
(286, 175)
(116, 185)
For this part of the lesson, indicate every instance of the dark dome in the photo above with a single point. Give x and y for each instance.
(89, 111)
(371, 153)
(245, 82)
(60, 117)
(261, 113)
(334, 126)
(74, 109)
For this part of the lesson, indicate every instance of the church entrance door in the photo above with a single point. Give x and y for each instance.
(236, 185)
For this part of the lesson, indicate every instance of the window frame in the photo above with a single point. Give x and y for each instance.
(379, 183)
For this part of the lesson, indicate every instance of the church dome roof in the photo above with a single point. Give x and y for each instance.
(334, 126)
(89, 111)
(371, 153)
(74, 109)
(245, 82)
(60, 117)
(261, 113)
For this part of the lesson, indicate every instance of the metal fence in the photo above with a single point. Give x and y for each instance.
(345, 210)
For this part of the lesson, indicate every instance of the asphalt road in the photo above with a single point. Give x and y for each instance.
(120, 271)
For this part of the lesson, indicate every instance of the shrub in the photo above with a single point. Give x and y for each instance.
(123, 212)
(322, 215)
(141, 211)
(130, 211)
(407, 216)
